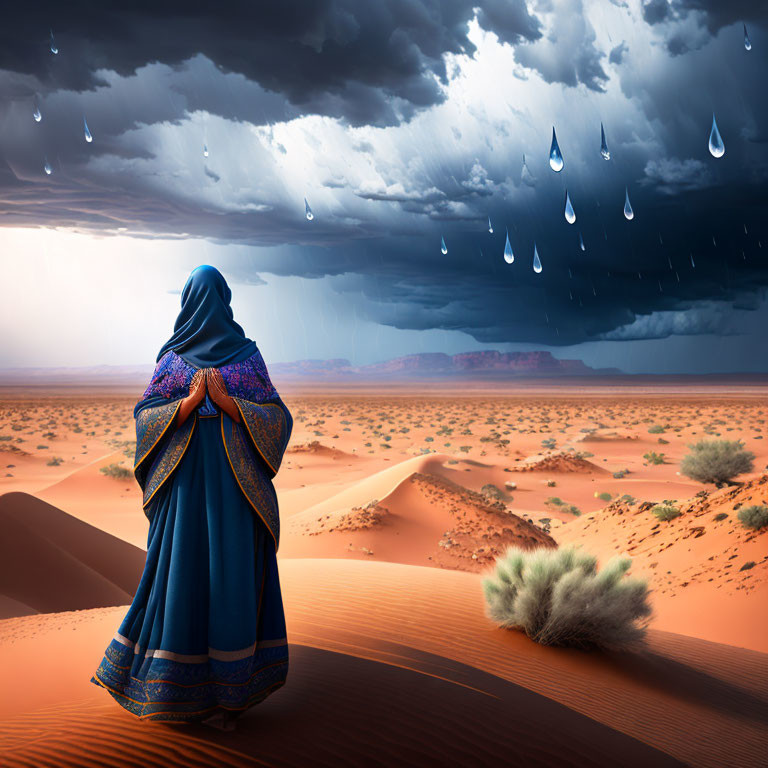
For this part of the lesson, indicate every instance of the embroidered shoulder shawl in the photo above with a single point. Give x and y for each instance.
(254, 447)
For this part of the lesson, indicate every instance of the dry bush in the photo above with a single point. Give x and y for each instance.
(558, 597)
(717, 461)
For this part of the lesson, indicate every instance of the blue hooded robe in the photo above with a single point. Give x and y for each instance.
(206, 629)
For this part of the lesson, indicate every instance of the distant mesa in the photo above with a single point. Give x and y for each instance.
(52, 562)
(483, 364)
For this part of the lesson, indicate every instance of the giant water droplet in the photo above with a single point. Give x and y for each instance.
(629, 214)
(38, 117)
(716, 146)
(747, 41)
(509, 257)
(47, 167)
(581, 242)
(536, 260)
(443, 246)
(205, 150)
(490, 226)
(54, 48)
(308, 210)
(603, 144)
(570, 214)
(86, 132)
(555, 156)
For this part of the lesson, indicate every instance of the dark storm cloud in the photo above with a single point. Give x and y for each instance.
(363, 62)
(158, 77)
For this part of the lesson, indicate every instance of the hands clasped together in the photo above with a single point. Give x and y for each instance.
(210, 380)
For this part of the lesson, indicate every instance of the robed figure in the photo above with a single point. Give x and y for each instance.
(205, 638)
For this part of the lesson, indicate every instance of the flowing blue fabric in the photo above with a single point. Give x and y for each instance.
(205, 333)
(206, 629)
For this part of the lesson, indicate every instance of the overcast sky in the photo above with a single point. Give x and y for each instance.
(401, 122)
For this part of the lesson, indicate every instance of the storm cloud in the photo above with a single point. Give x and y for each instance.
(403, 122)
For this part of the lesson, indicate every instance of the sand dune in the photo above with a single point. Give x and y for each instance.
(560, 462)
(51, 561)
(426, 519)
(693, 562)
(400, 661)
(110, 504)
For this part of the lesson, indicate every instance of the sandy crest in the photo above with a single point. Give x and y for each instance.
(399, 662)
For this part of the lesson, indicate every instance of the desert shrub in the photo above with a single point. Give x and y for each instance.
(720, 516)
(748, 566)
(654, 458)
(558, 597)
(717, 461)
(55, 461)
(554, 501)
(604, 496)
(116, 471)
(665, 512)
(655, 429)
(755, 517)
(490, 490)
(550, 443)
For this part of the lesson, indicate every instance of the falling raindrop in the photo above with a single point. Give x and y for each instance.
(570, 293)
(205, 150)
(629, 214)
(594, 292)
(570, 274)
(310, 215)
(54, 48)
(747, 41)
(716, 146)
(509, 257)
(536, 260)
(87, 132)
(581, 242)
(603, 144)
(490, 226)
(677, 276)
(443, 246)
(38, 117)
(714, 242)
(670, 262)
(526, 177)
(693, 263)
(47, 167)
(745, 230)
(570, 214)
(743, 255)
(555, 156)
(661, 242)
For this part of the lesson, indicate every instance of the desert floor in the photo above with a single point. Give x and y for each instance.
(393, 504)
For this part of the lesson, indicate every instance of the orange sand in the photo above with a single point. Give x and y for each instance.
(389, 501)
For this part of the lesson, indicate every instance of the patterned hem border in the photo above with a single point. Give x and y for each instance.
(169, 716)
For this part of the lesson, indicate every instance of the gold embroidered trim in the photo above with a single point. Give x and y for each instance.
(171, 458)
(160, 436)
